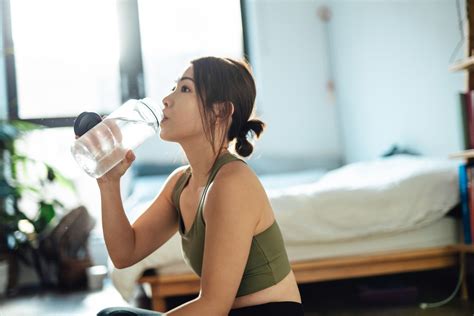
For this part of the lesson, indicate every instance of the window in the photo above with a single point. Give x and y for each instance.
(175, 32)
(172, 34)
(84, 55)
(66, 57)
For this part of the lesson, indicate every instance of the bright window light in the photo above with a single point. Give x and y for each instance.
(175, 32)
(66, 56)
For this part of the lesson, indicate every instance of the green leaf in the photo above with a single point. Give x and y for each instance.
(46, 214)
(23, 188)
(65, 182)
(24, 126)
(52, 173)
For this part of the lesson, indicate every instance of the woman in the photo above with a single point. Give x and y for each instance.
(229, 234)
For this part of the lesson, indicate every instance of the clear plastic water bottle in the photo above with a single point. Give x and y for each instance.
(105, 145)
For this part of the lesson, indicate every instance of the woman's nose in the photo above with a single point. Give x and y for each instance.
(166, 102)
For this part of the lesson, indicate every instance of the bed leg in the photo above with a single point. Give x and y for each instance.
(158, 302)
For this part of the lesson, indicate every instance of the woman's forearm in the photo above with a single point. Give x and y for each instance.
(118, 233)
(197, 306)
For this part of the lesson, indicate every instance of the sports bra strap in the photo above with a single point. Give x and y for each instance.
(222, 160)
(178, 188)
(184, 178)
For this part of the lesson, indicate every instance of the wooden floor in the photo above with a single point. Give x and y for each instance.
(335, 298)
(35, 302)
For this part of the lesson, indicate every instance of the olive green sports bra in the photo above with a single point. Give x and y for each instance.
(267, 263)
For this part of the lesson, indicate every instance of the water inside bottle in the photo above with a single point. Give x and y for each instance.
(102, 150)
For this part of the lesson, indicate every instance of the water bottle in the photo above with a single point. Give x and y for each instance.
(104, 145)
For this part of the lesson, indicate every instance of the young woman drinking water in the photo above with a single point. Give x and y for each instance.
(228, 230)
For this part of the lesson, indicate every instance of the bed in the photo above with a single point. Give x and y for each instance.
(369, 218)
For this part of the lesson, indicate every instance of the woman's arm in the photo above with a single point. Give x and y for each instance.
(128, 244)
(232, 211)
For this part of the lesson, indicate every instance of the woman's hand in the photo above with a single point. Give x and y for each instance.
(114, 174)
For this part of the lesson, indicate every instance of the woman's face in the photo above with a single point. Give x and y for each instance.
(181, 111)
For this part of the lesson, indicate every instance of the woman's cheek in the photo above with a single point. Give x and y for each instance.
(175, 131)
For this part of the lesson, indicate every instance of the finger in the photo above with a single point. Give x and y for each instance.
(125, 165)
(128, 159)
(130, 156)
(92, 140)
(114, 128)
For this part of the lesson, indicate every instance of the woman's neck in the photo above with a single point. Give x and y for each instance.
(201, 160)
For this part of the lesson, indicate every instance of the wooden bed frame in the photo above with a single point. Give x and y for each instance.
(163, 286)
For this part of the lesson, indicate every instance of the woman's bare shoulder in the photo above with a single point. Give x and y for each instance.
(236, 170)
(174, 176)
(237, 185)
(237, 174)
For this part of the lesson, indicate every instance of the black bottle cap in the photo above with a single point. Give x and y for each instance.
(85, 121)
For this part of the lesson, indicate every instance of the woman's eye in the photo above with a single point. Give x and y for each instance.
(173, 88)
(185, 89)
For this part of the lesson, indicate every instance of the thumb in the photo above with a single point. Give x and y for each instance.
(130, 156)
(126, 162)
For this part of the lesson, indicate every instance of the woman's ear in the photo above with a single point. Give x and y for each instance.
(223, 110)
(231, 105)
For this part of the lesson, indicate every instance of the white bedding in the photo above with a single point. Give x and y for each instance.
(366, 198)
(360, 201)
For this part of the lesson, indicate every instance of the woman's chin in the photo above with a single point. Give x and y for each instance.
(167, 138)
(163, 136)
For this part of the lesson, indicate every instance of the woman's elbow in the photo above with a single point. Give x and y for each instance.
(216, 306)
(121, 263)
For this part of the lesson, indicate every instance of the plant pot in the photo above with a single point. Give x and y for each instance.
(72, 273)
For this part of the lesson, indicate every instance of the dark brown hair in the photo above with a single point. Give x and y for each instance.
(219, 83)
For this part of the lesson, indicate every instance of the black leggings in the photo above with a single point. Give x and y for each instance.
(273, 309)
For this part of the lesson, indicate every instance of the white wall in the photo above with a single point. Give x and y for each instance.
(288, 53)
(391, 63)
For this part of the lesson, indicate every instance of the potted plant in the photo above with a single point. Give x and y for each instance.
(21, 230)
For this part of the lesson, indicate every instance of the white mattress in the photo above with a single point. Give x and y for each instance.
(442, 232)
(387, 195)
(168, 259)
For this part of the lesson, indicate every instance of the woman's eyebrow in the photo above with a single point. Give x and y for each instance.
(184, 78)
